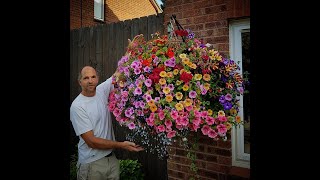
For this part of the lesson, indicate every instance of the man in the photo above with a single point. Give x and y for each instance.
(92, 122)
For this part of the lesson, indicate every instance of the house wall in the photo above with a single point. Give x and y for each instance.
(82, 14)
(82, 11)
(209, 20)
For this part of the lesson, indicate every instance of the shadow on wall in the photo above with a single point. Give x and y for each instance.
(110, 16)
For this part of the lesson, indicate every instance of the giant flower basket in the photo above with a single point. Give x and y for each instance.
(166, 88)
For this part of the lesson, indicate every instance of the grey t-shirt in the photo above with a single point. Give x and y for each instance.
(92, 113)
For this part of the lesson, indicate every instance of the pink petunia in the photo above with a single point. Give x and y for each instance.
(222, 118)
(228, 97)
(161, 128)
(148, 82)
(174, 114)
(222, 128)
(161, 115)
(189, 108)
(168, 123)
(205, 129)
(131, 125)
(171, 134)
(116, 112)
(212, 133)
(192, 94)
(137, 91)
(210, 120)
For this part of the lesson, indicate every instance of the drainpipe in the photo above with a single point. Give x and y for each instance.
(81, 13)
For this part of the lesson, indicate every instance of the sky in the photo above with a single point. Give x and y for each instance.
(159, 2)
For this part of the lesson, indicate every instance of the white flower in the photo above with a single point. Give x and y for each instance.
(208, 45)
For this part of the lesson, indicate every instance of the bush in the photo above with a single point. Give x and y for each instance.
(130, 170)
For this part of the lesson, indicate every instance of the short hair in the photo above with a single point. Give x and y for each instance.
(80, 75)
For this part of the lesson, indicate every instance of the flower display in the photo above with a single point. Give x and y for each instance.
(167, 88)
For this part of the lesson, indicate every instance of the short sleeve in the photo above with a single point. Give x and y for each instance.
(80, 121)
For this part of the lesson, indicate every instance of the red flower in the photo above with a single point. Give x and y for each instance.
(186, 77)
(170, 53)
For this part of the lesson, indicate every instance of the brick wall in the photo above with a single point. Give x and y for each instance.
(87, 14)
(208, 19)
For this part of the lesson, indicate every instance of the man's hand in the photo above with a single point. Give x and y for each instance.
(131, 146)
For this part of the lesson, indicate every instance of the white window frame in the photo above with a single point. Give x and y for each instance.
(239, 157)
(99, 5)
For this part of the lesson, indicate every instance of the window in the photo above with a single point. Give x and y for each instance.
(240, 51)
(99, 10)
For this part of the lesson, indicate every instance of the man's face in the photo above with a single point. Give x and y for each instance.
(89, 80)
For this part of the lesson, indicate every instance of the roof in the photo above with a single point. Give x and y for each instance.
(120, 10)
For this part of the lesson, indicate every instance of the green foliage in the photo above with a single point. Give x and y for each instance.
(73, 166)
(130, 170)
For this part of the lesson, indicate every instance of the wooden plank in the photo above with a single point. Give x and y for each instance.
(134, 28)
(105, 48)
(143, 27)
(151, 26)
(92, 47)
(119, 47)
(126, 34)
(112, 55)
(98, 50)
(159, 25)
(86, 47)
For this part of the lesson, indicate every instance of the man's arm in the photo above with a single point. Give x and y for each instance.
(99, 143)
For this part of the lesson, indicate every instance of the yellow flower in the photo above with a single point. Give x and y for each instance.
(140, 85)
(188, 102)
(193, 66)
(198, 77)
(175, 71)
(163, 74)
(185, 61)
(228, 125)
(233, 111)
(121, 84)
(151, 102)
(179, 106)
(178, 82)
(238, 119)
(221, 113)
(185, 87)
(162, 81)
(182, 70)
(196, 107)
(206, 86)
(169, 74)
(153, 108)
(189, 63)
(179, 95)
(210, 112)
(206, 77)
(166, 90)
(183, 56)
(169, 98)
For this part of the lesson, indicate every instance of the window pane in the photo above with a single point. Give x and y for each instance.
(245, 38)
(98, 9)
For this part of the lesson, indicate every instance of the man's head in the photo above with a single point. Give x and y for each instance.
(88, 80)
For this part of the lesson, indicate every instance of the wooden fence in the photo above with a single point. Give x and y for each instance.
(101, 47)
